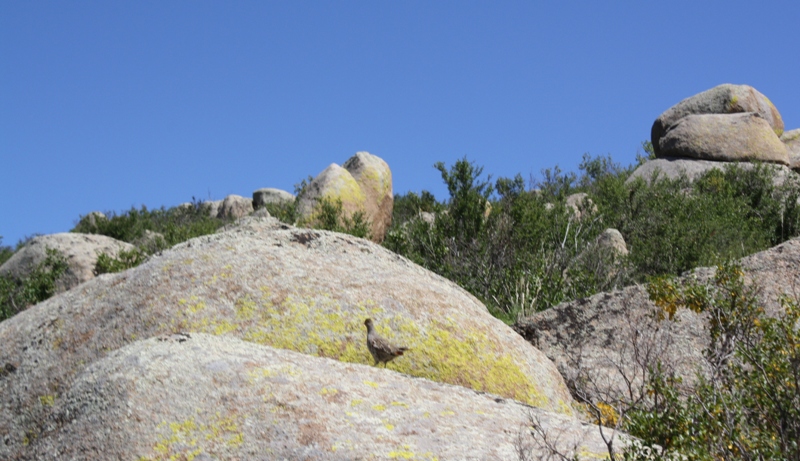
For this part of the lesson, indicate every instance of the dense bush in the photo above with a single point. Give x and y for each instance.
(748, 406)
(522, 249)
(38, 285)
(176, 224)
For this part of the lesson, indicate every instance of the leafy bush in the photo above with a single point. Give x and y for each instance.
(176, 225)
(40, 284)
(522, 249)
(6, 252)
(748, 406)
(125, 260)
(329, 215)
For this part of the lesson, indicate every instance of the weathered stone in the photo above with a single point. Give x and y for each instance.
(235, 207)
(375, 179)
(611, 240)
(791, 139)
(262, 197)
(581, 205)
(80, 250)
(151, 241)
(722, 99)
(268, 283)
(213, 207)
(333, 183)
(729, 138)
(676, 167)
(210, 397)
(609, 338)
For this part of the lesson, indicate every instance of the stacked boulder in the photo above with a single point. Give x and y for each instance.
(726, 123)
(363, 184)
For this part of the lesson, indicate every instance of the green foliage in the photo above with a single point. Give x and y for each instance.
(748, 405)
(125, 260)
(38, 285)
(6, 252)
(176, 225)
(521, 249)
(330, 216)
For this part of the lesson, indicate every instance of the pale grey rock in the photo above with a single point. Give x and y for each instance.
(676, 167)
(612, 240)
(722, 99)
(80, 250)
(195, 395)
(151, 241)
(375, 178)
(594, 338)
(268, 195)
(731, 138)
(213, 207)
(271, 284)
(581, 205)
(792, 141)
(333, 183)
(235, 207)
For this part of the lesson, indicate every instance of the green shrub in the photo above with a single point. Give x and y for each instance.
(38, 285)
(125, 260)
(330, 215)
(6, 252)
(530, 253)
(748, 406)
(176, 224)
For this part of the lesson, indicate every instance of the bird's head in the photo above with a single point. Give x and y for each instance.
(368, 323)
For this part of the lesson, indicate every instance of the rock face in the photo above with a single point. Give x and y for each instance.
(592, 337)
(363, 185)
(81, 251)
(729, 138)
(262, 197)
(375, 179)
(675, 167)
(722, 99)
(581, 205)
(612, 240)
(235, 206)
(791, 139)
(212, 397)
(274, 285)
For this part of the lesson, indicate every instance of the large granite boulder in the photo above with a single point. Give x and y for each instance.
(375, 179)
(210, 397)
(235, 207)
(333, 183)
(269, 284)
(728, 137)
(80, 250)
(610, 338)
(722, 99)
(269, 195)
(677, 167)
(791, 139)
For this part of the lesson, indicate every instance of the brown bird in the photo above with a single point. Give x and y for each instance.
(380, 348)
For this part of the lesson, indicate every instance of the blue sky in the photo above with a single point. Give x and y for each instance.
(106, 105)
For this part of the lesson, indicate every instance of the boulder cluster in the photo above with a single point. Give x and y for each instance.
(363, 184)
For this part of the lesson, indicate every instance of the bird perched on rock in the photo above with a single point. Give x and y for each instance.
(380, 348)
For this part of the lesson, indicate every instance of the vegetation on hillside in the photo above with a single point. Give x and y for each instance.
(38, 285)
(522, 249)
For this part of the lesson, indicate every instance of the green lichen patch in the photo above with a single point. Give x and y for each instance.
(187, 439)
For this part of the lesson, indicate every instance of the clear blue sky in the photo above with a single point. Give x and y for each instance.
(106, 105)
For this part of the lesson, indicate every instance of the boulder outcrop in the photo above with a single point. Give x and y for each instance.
(268, 195)
(728, 138)
(722, 99)
(273, 285)
(196, 395)
(375, 179)
(676, 167)
(80, 250)
(235, 207)
(791, 139)
(363, 184)
(609, 337)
